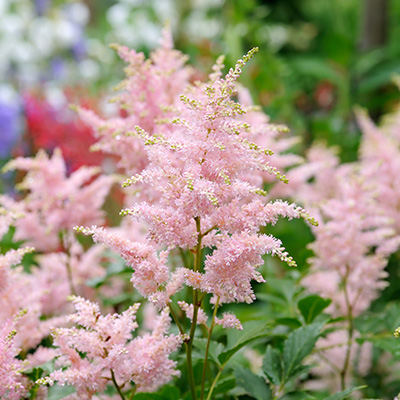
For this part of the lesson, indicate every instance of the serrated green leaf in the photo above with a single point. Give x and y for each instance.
(252, 330)
(311, 306)
(272, 365)
(297, 346)
(255, 385)
(344, 393)
(214, 350)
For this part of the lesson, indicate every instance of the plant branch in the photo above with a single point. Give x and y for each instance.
(117, 386)
(203, 379)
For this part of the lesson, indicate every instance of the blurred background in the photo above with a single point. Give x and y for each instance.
(317, 60)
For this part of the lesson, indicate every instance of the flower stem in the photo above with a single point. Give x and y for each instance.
(350, 319)
(117, 386)
(207, 348)
(196, 305)
(175, 318)
(215, 382)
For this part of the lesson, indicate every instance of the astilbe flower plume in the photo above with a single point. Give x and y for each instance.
(112, 354)
(150, 95)
(203, 198)
(55, 202)
(356, 236)
(380, 157)
(11, 384)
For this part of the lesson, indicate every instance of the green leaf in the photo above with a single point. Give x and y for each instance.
(170, 393)
(272, 365)
(252, 330)
(214, 350)
(344, 394)
(224, 386)
(59, 392)
(389, 344)
(297, 346)
(311, 306)
(290, 322)
(149, 396)
(297, 396)
(255, 385)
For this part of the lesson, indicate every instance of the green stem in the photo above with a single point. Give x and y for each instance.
(215, 382)
(203, 380)
(175, 318)
(350, 319)
(196, 305)
(133, 393)
(117, 386)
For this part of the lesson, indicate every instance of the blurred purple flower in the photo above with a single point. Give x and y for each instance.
(41, 6)
(79, 48)
(9, 127)
(58, 68)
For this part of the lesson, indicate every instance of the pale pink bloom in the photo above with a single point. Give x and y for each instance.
(11, 384)
(189, 309)
(150, 96)
(41, 356)
(150, 270)
(230, 269)
(352, 244)
(108, 344)
(333, 349)
(55, 202)
(380, 158)
(229, 321)
(199, 169)
(52, 276)
(148, 356)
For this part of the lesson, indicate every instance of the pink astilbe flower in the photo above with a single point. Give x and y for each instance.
(334, 349)
(150, 270)
(229, 321)
(150, 95)
(55, 202)
(380, 157)
(351, 247)
(198, 177)
(11, 384)
(52, 275)
(189, 308)
(148, 356)
(110, 349)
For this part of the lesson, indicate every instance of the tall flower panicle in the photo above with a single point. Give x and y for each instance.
(112, 352)
(54, 201)
(380, 157)
(199, 175)
(150, 94)
(352, 245)
(11, 383)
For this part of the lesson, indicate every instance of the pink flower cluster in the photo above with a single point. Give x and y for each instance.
(111, 351)
(197, 177)
(55, 202)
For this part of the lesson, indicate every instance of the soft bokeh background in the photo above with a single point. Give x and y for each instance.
(317, 58)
